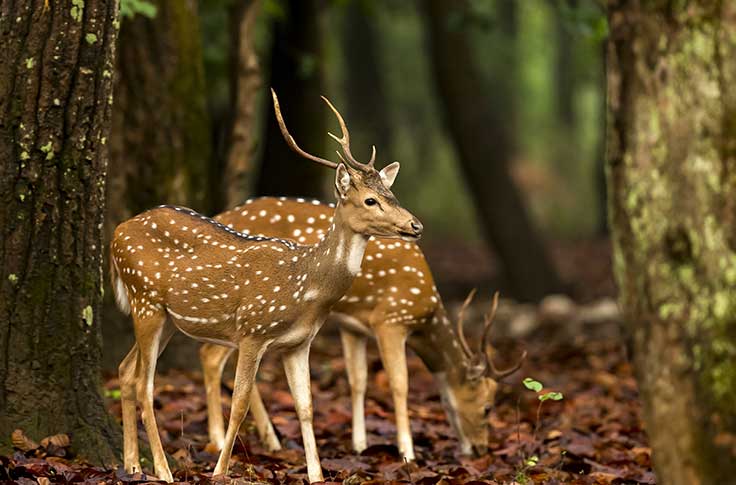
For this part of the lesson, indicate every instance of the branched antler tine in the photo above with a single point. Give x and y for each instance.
(488, 321)
(500, 374)
(460, 322)
(345, 140)
(290, 139)
(490, 366)
(339, 155)
(373, 156)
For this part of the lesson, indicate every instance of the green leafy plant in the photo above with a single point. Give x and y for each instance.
(530, 460)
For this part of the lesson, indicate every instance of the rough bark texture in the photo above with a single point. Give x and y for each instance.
(366, 98)
(672, 195)
(478, 121)
(297, 74)
(245, 81)
(56, 66)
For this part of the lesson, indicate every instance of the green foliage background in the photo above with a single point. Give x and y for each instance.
(561, 163)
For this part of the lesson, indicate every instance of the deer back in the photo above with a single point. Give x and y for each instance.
(394, 276)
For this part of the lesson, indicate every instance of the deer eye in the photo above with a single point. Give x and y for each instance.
(370, 201)
(487, 409)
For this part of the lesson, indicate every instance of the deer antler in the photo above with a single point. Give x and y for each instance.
(460, 322)
(344, 141)
(290, 139)
(490, 366)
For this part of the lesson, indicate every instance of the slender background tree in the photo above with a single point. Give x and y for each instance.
(245, 84)
(297, 75)
(478, 121)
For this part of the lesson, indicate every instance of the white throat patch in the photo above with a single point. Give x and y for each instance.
(355, 253)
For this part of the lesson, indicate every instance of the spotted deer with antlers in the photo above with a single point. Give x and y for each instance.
(173, 268)
(394, 299)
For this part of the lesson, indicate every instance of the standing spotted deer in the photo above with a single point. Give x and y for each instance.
(394, 299)
(175, 269)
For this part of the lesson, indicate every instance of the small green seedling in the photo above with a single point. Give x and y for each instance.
(529, 462)
(533, 385)
(555, 396)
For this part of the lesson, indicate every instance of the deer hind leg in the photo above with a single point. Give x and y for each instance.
(263, 423)
(249, 356)
(127, 375)
(392, 347)
(354, 350)
(296, 365)
(152, 333)
(213, 358)
(128, 378)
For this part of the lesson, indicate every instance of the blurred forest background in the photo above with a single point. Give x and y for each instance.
(495, 110)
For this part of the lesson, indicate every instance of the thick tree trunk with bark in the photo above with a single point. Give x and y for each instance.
(160, 139)
(478, 120)
(56, 66)
(245, 81)
(672, 195)
(297, 74)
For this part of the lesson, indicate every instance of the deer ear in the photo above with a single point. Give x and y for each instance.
(342, 181)
(389, 173)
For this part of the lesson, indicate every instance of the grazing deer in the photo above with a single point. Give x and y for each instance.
(394, 299)
(173, 268)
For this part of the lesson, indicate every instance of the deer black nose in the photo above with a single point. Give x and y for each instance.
(417, 226)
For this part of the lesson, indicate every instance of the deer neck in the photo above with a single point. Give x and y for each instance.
(438, 345)
(336, 260)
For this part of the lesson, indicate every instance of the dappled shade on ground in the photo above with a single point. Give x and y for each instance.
(593, 436)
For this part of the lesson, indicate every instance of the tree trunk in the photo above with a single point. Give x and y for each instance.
(297, 74)
(365, 94)
(160, 139)
(672, 197)
(599, 183)
(477, 118)
(245, 81)
(56, 66)
(160, 143)
(565, 69)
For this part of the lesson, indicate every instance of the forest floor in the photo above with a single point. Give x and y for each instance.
(592, 436)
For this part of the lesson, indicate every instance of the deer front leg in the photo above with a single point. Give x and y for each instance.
(392, 347)
(249, 356)
(354, 347)
(266, 433)
(152, 333)
(296, 366)
(213, 358)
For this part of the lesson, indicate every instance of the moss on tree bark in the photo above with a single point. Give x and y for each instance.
(56, 66)
(672, 198)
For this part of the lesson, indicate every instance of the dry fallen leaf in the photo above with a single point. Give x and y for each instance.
(61, 440)
(22, 442)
